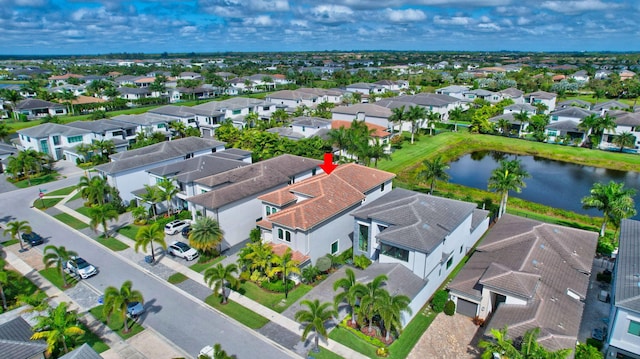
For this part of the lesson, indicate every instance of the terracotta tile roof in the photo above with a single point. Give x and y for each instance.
(280, 248)
(380, 131)
(87, 99)
(278, 198)
(361, 177)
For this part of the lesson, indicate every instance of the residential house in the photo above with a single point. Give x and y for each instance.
(121, 133)
(179, 94)
(625, 122)
(527, 274)
(85, 351)
(33, 108)
(6, 151)
(127, 170)
(286, 132)
(514, 94)
(396, 86)
(134, 93)
(574, 103)
(565, 132)
(368, 112)
(310, 126)
(623, 336)
(234, 109)
(365, 88)
(516, 126)
(546, 98)
(626, 75)
(379, 134)
(520, 107)
(611, 105)
(231, 197)
(438, 103)
(60, 80)
(293, 98)
(602, 74)
(187, 75)
(453, 91)
(54, 139)
(16, 343)
(490, 96)
(183, 114)
(427, 235)
(147, 123)
(334, 96)
(312, 217)
(580, 76)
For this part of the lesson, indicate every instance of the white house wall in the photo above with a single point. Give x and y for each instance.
(237, 220)
(619, 336)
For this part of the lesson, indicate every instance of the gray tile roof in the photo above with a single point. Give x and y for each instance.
(567, 125)
(542, 95)
(15, 340)
(609, 105)
(517, 107)
(507, 116)
(34, 104)
(540, 263)
(149, 155)
(316, 122)
(286, 132)
(47, 129)
(574, 112)
(140, 120)
(370, 109)
(7, 149)
(416, 221)
(291, 95)
(453, 88)
(83, 352)
(250, 181)
(625, 118)
(103, 125)
(627, 269)
(197, 167)
(429, 99)
(512, 92)
(574, 103)
(401, 280)
(134, 90)
(234, 103)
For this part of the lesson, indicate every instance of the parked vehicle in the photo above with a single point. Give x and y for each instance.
(78, 267)
(182, 250)
(206, 351)
(32, 238)
(134, 309)
(176, 226)
(185, 231)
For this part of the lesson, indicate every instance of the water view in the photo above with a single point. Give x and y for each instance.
(552, 183)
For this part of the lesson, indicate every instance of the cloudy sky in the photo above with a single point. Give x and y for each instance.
(43, 27)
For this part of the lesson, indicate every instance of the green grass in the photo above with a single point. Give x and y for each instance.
(236, 311)
(324, 354)
(400, 348)
(176, 278)
(53, 276)
(44, 203)
(130, 231)
(37, 180)
(201, 267)
(61, 192)
(71, 221)
(350, 340)
(274, 301)
(116, 324)
(93, 340)
(112, 243)
(75, 197)
(9, 242)
(84, 211)
(16, 285)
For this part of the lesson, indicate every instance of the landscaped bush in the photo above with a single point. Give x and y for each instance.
(478, 321)
(595, 343)
(278, 285)
(371, 340)
(361, 261)
(450, 308)
(310, 274)
(346, 256)
(244, 276)
(439, 300)
(323, 264)
(605, 247)
(604, 276)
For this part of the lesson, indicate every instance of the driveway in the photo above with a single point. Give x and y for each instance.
(449, 337)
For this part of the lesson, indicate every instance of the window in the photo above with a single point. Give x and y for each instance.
(634, 328)
(287, 236)
(382, 187)
(334, 247)
(161, 125)
(56, 140)
(363, 237)
(117, 133)
(236, 112)
(74, 139)
(449, 262)
(280, 233)
(460, 249)
(314, 171)
(395, 252)
(268, 210)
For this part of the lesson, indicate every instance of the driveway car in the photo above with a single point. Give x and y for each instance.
(185, 231)
(176, 226)
(32, 238)
(134, 309)
(79, 267)
(182, 250)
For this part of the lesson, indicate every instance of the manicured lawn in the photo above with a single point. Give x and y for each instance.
(83, 211)
(176, 278)
(116, 324)
(130, 231)
(44, 203)
(61, 192)
(274, 301)
(350, 340)
(112, 243)
(37, 181)
(200, 267)
(71, 221)
(16, 285)
(76, 196)
(9, 242)
(236, 311)
(53, 276)
(324, 354)
(93, 340)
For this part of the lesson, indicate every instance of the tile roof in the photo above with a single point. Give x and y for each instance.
(369, 109)
(416, 221)
(567, 125)
(82, 352)
(573, 111)
(316, 122)
(609, 105)
(280, 248)
(34, 103)
(626, 271)
(47, 129)
(197, 167)
(102, 125)
(512, 92)
(625, 118)
(292, 95)
(15, 340)
(429, 99)
(542, 95)
(379, 131)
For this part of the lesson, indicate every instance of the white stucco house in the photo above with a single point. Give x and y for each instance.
(368, 112)
(54, 139)
(625, 122)
(546, 98)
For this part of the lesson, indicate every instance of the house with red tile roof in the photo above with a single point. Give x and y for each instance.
(312, 217)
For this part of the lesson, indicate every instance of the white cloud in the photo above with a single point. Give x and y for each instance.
(575, 6)
(269, 5)
(259, 21)
(335, 14)
(408, 15)
(455, 20)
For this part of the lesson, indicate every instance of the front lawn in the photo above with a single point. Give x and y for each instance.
(202, 266)
(112, 243)
(71, 221)
(177, 278)
(35, 181)
(53, 276)
(324, 354)
(84, 211)
(116, 323)
(9, 242)
(274, 301)
(130, 231)
(44, 203)
(234, 310)
(350, 340)
(92, 339)
(16, 285)
(61, 192)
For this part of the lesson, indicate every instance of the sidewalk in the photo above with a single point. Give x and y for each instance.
(165, 266)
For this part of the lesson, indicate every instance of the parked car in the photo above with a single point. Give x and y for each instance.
(176, 226)
(185, 231)
(78, 267)
(182, 250)
(32, 238)
(134, 309)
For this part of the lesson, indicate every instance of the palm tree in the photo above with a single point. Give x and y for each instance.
(152, 196)
(59, 326)
(218, 275)
(38, 301)
(140, 214)
(398, 115)
(613, 200)
(4, 279)
(500, 344)
(390, 308)
(377, 152)
(94, 189)
(284, 265)
(434, 169)
(56, 257)
(13, 96)
(100, 215)
(145, 237)
(455, 115)
(206, 234)
(83, 150)
(509, 176)
(256, 256)
(339, 137)
(625, 139)
(4, 131)
(167, 191)
(315, 318)
(602, 124)
(370, 298)
(352, 291)
(104, 147)
(505, 126)
(416, 115)
(117, 301)
(521, 117)
(432, 119)
(179, 128)
(16, 228)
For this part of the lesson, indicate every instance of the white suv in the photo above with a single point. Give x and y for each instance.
(182, 250)
(176, 226)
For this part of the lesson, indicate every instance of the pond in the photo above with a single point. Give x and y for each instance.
(552, 183)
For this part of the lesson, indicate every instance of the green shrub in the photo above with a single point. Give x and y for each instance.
(346, 256)
(244, 276)
(278, 285)
(361, 261)
(323, 264)
(604, 247)
(450, 308)
(371, 340)
(439, 300)
(310, 274)
(604, 276)
(595, 343)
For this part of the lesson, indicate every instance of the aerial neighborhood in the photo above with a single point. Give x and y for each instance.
(313, 205)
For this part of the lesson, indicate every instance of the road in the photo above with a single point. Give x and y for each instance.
(188, 323)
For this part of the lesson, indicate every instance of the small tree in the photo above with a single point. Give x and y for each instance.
(315, 318)
(57, 327)
(117, 301)
(55, 257)
(450, 308)
(439, 300)
(218, 275)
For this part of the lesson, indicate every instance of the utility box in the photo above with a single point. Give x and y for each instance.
(603, 296)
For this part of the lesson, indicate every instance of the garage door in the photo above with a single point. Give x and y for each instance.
(467, 308)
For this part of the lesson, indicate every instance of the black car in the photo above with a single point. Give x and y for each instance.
(32, 238)
(185, 231)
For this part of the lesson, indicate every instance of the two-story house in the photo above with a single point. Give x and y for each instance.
(54, 139)
(543, 97)
(120, 132)
(368, 112)
(626, 122)
(33, 108)
(514, 94)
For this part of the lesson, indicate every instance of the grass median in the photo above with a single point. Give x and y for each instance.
(236, 311)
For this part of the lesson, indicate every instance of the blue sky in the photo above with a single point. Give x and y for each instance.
(51, 27)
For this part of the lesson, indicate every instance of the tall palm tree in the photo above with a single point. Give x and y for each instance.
(4, 279)
(339, 137)
(432, 118)
(56, 257)
(372, 294)
(521, 117)
(152, 196)
(283, 265)
(57, 327)
(613, 200)
(14, 97)
(509, 176)
(398, 116)
(100, 215)
(434, 169)
(416, 115)
(390, 308)
(602, 124)
(315, 318)
(117, 300)
(145, 237)
(377, 152)
(168, 190)
(352, 291)
(625, 139)
(218, 275)
(505, 126)
(206, 234)
(16, 228)
(94, 189)
(455, 115)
